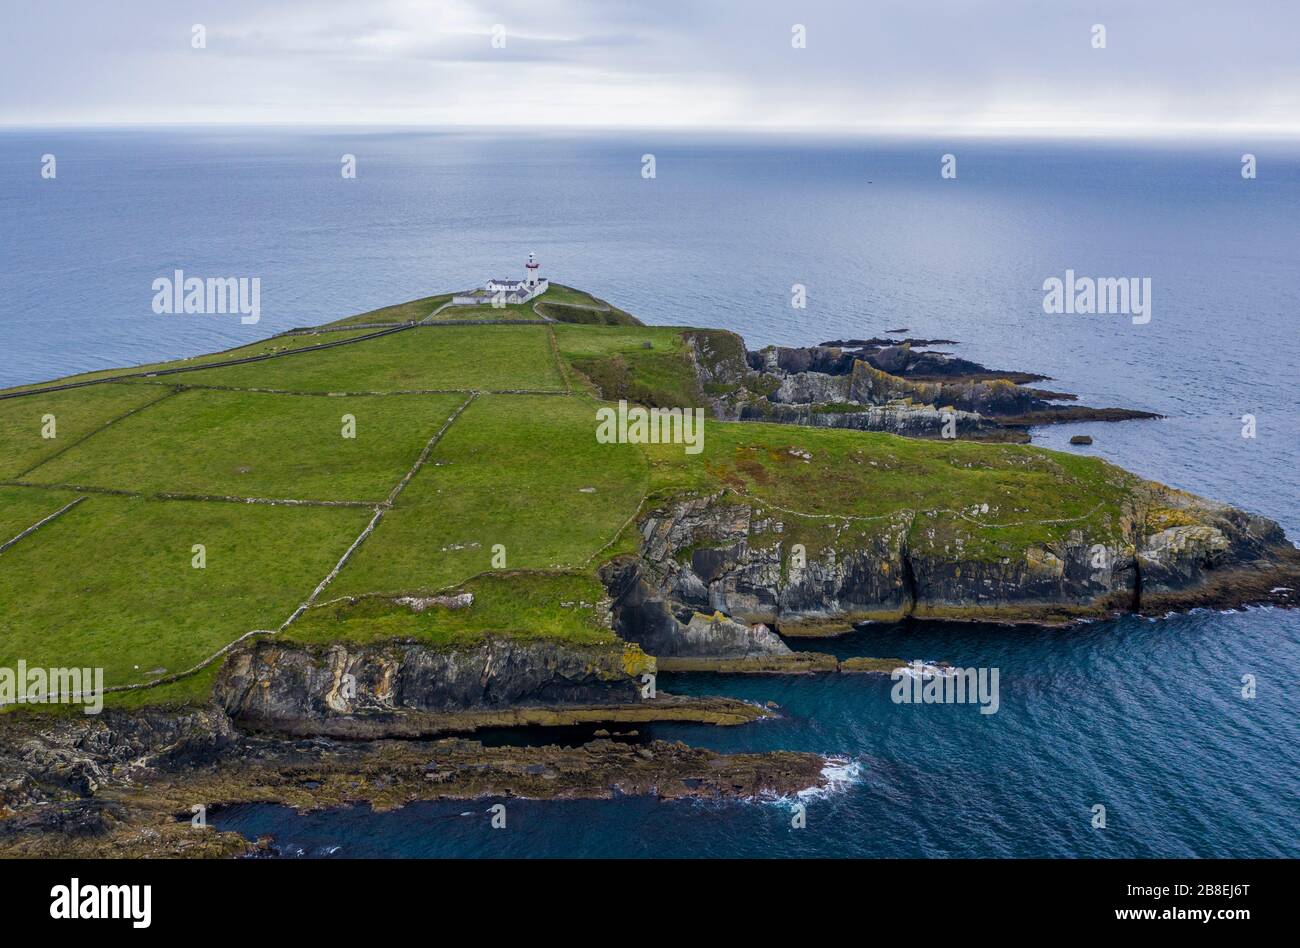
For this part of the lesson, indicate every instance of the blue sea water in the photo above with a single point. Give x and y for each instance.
(1143, 717)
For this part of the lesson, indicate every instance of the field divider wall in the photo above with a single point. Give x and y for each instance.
(40, 523)
(78, 441)
(379, 513)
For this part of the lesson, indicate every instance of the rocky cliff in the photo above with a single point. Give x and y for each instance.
(734, 559)
(401, 688)
(300, 687)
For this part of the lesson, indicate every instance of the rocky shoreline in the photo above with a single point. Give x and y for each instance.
(127, 785)
(881, 384)
(339, 725)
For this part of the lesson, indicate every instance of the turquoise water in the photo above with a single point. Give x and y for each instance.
(1141, 716)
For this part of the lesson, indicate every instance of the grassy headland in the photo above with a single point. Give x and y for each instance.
(474, 461)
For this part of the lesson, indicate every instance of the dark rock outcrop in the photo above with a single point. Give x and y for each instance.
(151, 768)
(730, 556)
(650, 619)
(914, 421)
(881, 385)
(61, 757)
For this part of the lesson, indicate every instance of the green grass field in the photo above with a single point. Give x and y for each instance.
(273, 346)
(251, 444)
(112, 584)
(486, 312)
(872, 476)
(520, 604)
(21, 508)
(409, 312)
(77, 413)
(645, 364)
(425, 359)
(568, 296)
(524, 472)
(567, 305)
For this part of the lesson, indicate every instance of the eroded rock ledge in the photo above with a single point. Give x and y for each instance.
(407, 689)
(123, 785)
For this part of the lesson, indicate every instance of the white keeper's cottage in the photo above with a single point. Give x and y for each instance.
(502, 292)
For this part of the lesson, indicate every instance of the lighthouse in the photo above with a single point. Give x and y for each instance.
(507, 292)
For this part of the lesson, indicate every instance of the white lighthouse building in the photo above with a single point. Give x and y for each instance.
(502, 292)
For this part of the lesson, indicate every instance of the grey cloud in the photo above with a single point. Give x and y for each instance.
(944, 63)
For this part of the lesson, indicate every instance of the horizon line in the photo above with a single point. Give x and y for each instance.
(1021, 131)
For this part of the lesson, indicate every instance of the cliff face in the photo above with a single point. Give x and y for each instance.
(665, 622)
(287, 684)
(913, 421)
(1196, 552)
(731, 556)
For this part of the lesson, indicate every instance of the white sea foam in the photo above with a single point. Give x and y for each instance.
(840, 773)
(928, 670)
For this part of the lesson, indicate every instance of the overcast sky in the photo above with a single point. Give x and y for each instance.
(1018, 66)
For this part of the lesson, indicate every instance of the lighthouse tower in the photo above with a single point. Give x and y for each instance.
(531, 269)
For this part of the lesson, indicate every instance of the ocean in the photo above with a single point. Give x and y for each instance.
(1143, 717)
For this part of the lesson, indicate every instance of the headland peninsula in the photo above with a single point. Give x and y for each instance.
(309, 569)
